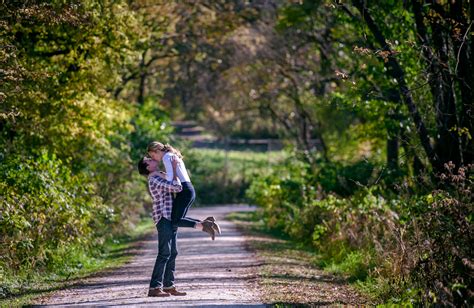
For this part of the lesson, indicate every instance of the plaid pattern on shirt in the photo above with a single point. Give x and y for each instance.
(160, 191)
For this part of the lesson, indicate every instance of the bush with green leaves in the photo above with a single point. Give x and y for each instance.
(44, 207)
(294, 184)
(441, 240)
(67, 145)
(400, 241)
(150, 122)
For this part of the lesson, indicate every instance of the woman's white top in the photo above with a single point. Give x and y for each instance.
(181, 172)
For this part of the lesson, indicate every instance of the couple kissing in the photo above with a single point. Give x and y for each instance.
(169, 212)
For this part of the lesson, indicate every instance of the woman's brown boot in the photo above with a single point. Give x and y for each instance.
(207, 227)
(215, 226)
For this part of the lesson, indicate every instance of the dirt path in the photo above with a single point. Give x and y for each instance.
(214, 273)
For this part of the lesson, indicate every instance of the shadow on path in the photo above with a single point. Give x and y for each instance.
(216, 273)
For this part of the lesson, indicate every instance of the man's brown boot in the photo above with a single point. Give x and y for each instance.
(157, 293)
(173, 291)
(207, 227)
(215, 226)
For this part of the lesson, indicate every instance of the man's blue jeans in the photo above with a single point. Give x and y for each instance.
(163, 272)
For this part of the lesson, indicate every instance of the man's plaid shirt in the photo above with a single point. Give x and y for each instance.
(160, 191)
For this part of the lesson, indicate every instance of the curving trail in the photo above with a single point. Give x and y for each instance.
(214, 273)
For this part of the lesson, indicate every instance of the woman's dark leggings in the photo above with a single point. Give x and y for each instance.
(181, 204)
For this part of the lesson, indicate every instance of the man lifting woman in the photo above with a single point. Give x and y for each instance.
(170, 213)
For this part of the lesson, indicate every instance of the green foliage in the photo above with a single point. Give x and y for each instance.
(85, 85)
(354, 264)
(400, 241)
(343, 179)
(67, 144)
(71, 262)
(151, 122)
(43, 200)
(442, 240)
(63, 66)
(45, 212)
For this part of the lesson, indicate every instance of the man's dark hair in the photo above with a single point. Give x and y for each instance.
(142, 166)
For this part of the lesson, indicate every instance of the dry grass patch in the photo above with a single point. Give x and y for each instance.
(288, 275)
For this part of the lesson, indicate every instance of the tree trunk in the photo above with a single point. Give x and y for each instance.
(418, 167)
(447, 143)
(394, 132)
(447, 146)
(143, 75)
(309, 127)
(468, 110)
(392, 152)
(464, 69)
(141, 88)
(395, 71)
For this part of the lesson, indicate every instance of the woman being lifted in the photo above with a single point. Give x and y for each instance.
(184, 199)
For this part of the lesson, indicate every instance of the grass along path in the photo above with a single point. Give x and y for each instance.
(288, 275)
(224, 176)
(246, 267)
(29, 287)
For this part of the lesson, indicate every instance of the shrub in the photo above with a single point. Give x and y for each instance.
(442, 241)
(420, 245)
(44, 207)
(344, 180)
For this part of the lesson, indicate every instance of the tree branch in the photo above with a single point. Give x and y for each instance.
(397, 72)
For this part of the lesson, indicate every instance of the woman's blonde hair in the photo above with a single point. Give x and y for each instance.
(156, 146)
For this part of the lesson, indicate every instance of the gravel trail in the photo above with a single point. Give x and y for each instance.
(214, 273)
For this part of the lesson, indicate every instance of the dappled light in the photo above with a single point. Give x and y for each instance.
(346, 125)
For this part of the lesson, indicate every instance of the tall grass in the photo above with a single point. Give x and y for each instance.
(223, 176)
